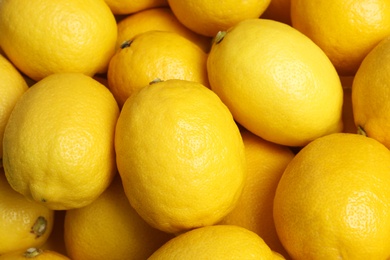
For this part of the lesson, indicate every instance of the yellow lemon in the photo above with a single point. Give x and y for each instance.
(333, 199)
(151, 55)
(23, 223)
(208, 17)
(345, 30)
(180, 155)
(109, 228)
(12, 86)
(370, 94)
(157, 19)
(215, 242)
(130, 6)
(44, 37)
(276, 82)
(34, 253)
(266, 162)
(59, 141)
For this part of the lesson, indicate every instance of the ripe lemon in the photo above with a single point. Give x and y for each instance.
(370, 94)
(180, 155)
(345, 30)
(44, 37)
(151, 55)
(34, 253)
(109, 228)
(209, 17)
(266, 162)
(12, 86)
(129, 6)
(333, 199)
(23, 223)
(215, 242)
(278, 10)
(276, 82)
(157, 19)
(59, 141)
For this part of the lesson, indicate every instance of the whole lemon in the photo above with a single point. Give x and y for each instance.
(58, 146)
(332, 201)
(12, 86)
(370, 92)
(23, 223)
(180, 155)
(43, 37)
(276, 82)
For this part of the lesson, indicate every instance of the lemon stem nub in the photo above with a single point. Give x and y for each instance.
(156, 80)
(126, 44)
(361, 131)
(32, 252)
(39, 227)
(219, 37)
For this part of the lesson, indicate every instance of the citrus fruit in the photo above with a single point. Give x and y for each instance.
(34, 253)
(180, 155)
(370, 94)
(345, 30)
(278, 10)
(215, 242)
(266, 162)
(157, 19)
(129, 6)
(276, 82)
(59, 141)
(12, 86)
(44, 37)
(332, 201)
(23, 223)
(209, 17)
(151, 55)
(109, 228)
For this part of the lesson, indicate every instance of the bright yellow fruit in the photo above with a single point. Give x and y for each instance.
(180, 155)
(34, 253)
(209, 17)
(151, 55)
(216, 242)
(131, 6)
(266, 162)
(109, 228)
(276, 82)
(157, 19)
(345, 30)
(333, 200)
(23, 223)
(12, 86)
(59, 141)
(370, 94)
(43, 37)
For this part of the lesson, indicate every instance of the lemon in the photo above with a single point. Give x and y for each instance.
(208, 17)
(157, 19)
(332, 201)
(23, 223)
(59, 141)
(216, 242)
(155, 54)
(276, 82)
(12, 86)
(130, 6)
(345, 30)
(266, 163)
(44, 37)
(34, 253)
(180, 155)
(369, 94)
(109, 228)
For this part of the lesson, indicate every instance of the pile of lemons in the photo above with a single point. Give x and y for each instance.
(193, 129)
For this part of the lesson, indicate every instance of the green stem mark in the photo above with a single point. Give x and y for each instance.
(219, 37)
(126, 44)
(39, 227)
(360, 131)
(32, 252)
